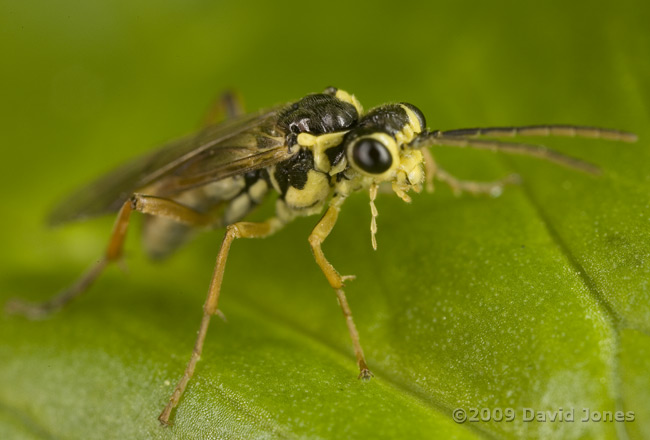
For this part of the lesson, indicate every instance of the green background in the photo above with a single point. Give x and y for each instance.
(536, 299)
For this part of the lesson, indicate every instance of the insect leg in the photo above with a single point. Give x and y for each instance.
(494, 188)
(433, 170)
(227, 106)
(113, 252)
(430, 167)
(316, 238)
(138, 202)
(236, 230)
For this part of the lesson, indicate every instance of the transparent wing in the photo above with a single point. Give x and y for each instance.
(235, 146)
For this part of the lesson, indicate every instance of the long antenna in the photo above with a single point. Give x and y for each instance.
(465, 138)
(545, 130)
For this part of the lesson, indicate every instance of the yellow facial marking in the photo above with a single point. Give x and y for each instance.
(410, 161)
(405, 136)
(410, 173)
(411, 129)
(401, 193)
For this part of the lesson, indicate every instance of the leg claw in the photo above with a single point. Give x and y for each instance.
(220, 314)
(365, 374)
(33, 311)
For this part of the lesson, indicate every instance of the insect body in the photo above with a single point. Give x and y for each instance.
(314, 153)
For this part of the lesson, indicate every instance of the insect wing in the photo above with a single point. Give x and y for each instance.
(234, 146)
(248, 151)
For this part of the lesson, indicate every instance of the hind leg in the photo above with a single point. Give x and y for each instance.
(229, 105)
(138, 202)
(236, 230)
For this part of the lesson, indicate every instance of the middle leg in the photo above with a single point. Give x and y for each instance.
(236, 230)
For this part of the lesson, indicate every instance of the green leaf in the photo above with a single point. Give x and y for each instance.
(537, 300)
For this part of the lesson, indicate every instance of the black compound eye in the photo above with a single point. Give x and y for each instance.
(372, 156)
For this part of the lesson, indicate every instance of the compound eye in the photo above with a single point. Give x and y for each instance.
(372, 156)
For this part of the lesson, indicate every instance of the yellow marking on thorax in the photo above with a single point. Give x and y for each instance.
(344, 96)
(313, 194)
(318, 145)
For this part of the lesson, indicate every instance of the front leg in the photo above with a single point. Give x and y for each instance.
(458, 186)
(316, 238)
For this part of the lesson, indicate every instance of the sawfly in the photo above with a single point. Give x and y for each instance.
(313, 153)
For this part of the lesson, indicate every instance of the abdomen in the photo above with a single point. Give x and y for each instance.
(228, 200)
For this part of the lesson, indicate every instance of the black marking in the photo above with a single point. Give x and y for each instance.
(293, 172)
(352, 135)
(250, 179)
(335, 154)
(317, 114)
(340, 176)
(389, 118)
